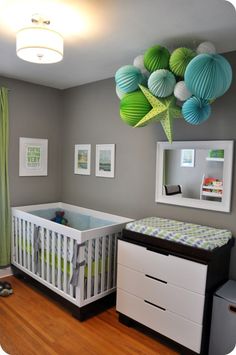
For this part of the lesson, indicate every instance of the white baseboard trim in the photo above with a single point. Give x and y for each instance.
(6, 272)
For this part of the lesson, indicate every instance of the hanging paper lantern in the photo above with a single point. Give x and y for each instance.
(133, 107)
(208, 76)
(120, 93)
(139, 63)
(156, 57)
(128, 78)
(206, 47)
(196, 111)
(181, 91)
(161, 83)
(179, 60)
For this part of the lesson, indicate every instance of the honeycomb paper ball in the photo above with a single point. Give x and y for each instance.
(161, 83)
(133, 107)
(128, 78)
(139, 63)
(179, 60)
(208, 76)
(206, 47)
(196, 111)
(120, 93)
(181, 91)
(156, 57)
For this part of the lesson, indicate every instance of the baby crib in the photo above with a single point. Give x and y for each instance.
(78, 261)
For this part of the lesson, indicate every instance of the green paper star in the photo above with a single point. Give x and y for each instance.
(163, 110)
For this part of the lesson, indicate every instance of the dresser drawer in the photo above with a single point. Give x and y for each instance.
(187, 304)
(167, 323)
(177, 271)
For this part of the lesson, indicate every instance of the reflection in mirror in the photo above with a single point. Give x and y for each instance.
(196, 174)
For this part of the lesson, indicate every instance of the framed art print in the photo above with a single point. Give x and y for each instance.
(105, 160)
(187, 158)
(33, 157)
(82, 161)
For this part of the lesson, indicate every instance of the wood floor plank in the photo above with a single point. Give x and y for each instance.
(31, 323)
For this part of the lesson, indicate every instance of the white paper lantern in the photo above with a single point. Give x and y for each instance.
(139, 63)
(119, 93)
(181, 91)
(206, 47)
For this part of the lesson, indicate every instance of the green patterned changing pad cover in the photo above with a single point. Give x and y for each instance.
(193, 235)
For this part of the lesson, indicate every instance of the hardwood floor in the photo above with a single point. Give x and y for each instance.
(31, 323)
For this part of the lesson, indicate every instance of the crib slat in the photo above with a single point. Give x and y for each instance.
(28, 244)
(48, 256)
(41, 232)
(103, 268)
(89, 268)
(96, 266)
(71, 265)
(33, 226)
(16, 240)
(13, 238)
(109, 262)
(80, 287)
(20, 241)
(114, 260)
(24, 242)
(53, 259)
(65, 263)
(59, 261)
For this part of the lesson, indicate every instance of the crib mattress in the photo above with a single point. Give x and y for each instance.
(189, 234)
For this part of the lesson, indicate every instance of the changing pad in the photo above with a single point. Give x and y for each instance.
(190, 234)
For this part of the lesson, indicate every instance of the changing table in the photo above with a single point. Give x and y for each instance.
(167, 273)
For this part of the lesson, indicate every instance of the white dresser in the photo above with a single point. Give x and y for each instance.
(164, 292)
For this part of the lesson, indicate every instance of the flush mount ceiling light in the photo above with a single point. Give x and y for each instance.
(38, 43)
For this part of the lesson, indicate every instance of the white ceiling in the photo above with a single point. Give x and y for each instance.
(102, 35)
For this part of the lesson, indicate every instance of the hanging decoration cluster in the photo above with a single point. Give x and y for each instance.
(159, 83)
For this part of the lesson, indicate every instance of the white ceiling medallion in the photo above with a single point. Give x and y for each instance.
(38, 43)
(233, 2)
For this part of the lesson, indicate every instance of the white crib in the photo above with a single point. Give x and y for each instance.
(79, 265)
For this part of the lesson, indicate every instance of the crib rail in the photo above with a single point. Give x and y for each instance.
(44, 251)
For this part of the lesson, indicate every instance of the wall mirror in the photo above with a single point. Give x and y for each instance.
(195, 174)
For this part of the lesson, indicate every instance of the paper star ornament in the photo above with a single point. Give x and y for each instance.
(163, 110)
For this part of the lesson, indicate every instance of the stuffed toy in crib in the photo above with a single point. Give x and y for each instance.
(59, 218)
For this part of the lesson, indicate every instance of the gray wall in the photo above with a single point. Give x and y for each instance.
(35, 112)
(91, 115)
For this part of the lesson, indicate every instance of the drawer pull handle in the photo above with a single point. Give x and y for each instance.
(158, 251)
(155, 278)
(154, 305)
(232, 308)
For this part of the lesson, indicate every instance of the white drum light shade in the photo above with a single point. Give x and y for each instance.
(39, 45)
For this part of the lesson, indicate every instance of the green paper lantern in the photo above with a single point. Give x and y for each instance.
(133, 107)
(179, 60)
(156, 57)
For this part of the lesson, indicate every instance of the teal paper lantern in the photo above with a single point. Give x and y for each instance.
(156, 57)
(208, 76)
(161, 83)
(133, 107)
(196, 111)
(179, 60)
(128, 78)
(120, 93)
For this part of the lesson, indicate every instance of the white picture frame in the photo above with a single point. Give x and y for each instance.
(33, 157)
(105, 160)
(187, 158)
(82, 159)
